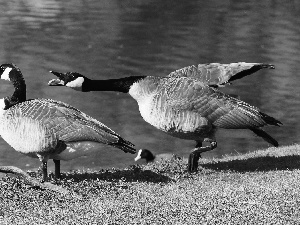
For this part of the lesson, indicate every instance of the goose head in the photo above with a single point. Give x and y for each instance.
(72, 80)
(145, 154)
(12, 73)
(80, 82)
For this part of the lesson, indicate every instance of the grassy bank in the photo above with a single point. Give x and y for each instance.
(259, 187)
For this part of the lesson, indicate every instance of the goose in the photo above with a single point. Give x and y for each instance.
(187, 103)
(48, 129)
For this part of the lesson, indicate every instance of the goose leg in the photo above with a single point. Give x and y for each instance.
(194, 158)
(196, 154)
(44, 171)
(57, 168)
(44, 160)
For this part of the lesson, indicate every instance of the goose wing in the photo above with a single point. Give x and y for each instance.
(219, 109)
(216, 74)
(69, 123)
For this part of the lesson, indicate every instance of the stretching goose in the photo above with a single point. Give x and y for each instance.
(186, 104)
(49, 129)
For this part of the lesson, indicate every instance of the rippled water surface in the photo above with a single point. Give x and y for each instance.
(112, 39)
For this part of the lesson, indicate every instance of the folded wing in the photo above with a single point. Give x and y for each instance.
(219, 109)
(68, 123)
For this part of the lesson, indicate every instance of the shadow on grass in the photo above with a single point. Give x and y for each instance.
(266, 163)
(133, 174)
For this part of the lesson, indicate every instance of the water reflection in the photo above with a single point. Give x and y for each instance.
(110, 39)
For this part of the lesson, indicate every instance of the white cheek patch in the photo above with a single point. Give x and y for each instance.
(5, 74)
(76, 84)
(138, 155)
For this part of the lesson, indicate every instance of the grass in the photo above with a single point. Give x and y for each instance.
(261, 187)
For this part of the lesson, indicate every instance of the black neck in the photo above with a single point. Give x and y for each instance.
(120, 85)
(150, 158)
(19, 94)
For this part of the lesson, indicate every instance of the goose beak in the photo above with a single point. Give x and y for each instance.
(56, 82)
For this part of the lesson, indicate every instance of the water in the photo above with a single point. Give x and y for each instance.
(112, 39)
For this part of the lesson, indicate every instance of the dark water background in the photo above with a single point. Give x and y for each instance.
(117, 38)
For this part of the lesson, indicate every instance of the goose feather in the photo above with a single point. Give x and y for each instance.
(217, 74)
(187, 104)
(46, 128)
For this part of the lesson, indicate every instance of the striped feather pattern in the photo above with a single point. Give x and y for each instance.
(216, 74)
(26, 135)
(54, 117)
(186, 107)
(218, 108)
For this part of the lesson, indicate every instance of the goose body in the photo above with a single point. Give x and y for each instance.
(188, 109)
(57, 129)
(186, 104)
(49, 129)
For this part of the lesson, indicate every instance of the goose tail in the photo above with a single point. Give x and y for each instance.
(270, 120)
(261, 133)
